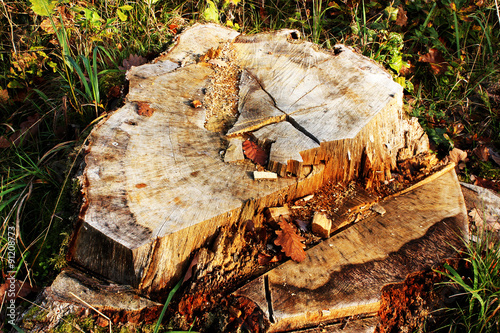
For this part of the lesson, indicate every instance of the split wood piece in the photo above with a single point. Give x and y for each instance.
(157, 188)
(264, 175)
(343, 276)
(321, 225)
(352, 208)
(118, 303)
(313, 110)
(234, 152)
(273, 214)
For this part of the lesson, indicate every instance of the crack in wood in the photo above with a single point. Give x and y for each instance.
(302, 129)
(269, 299)
(286, 116)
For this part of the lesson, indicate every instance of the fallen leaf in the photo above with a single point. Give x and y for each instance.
(481, 152)
(4, 142)
(254, 152)
(401, 18)
(140, 185)
(20, 289)
(29, 126)
(494, 156)
(211, 54)
(133, 60)
(114, 92)
(436, 60)
(173, 27)
(144, 109)
(484, 221)
(263, 259)
(4, 96)
(189, 272)
(486, 183)
(196, 104)
(456, 156)
(290, 241)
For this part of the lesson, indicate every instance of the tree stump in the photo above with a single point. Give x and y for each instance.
(166, 171)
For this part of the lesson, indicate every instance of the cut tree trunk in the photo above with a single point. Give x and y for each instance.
(165, 172)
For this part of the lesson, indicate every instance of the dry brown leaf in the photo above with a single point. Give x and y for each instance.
(211, 54)
(4, 96)
(436, 60)
(254, 152)
(486, 183)
(4, 142)
(290, 241)
(144, 109)
(402, 18)
(264, 259)
(189, 271)
(29, 126)
(196, 104)
(482, 152)
(173, 27)
(19, 289)
(133, 60)
(494, 156)
(485, 221)
(457, 155)
(114, 92)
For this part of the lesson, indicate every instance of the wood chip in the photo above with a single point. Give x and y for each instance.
(273, 214)
(321, 225)
(264, 175)
(378, 209)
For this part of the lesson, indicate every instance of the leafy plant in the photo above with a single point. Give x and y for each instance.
(481, 309)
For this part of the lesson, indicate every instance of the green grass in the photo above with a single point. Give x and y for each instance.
(59, 74)
(479, 311)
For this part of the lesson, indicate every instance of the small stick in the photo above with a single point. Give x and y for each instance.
(90, 306)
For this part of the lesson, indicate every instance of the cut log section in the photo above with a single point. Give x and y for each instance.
(343, 276)
(163, 173)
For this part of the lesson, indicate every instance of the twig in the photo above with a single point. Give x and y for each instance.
(12, 27)
(496, 5)
(90, 306)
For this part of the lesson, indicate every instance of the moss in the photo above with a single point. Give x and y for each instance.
(36, 313)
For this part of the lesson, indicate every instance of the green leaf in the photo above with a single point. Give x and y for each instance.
(392, 13)
(126, 7)
(396, 62)
(211, 13)
(121, 15)
(43, 7)
(14, 84)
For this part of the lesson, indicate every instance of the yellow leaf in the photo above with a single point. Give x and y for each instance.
(211, 13)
